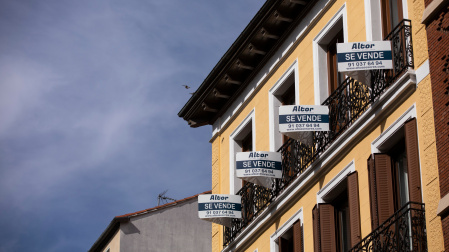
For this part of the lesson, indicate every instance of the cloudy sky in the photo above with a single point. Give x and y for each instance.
(89, 96)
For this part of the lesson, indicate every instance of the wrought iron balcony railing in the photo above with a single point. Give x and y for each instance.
(402, 51)
(346, 104)
(404, 231)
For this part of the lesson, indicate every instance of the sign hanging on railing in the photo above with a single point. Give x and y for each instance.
(359, 56)
(219, 208)
(259, 167)
(298, 122)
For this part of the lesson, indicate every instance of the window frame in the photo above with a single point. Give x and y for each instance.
(320, 56)
(274, 102)
(381, 146)
(383, 141)
(327, 195)
(373, 19)
(247, 125)
(334, 182)
(298, 216)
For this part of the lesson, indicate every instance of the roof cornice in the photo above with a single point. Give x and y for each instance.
(243, 60)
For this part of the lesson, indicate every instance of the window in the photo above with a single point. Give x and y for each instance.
(291, 240)
(247, 142)
(247, 145)
(400, 173)
(381, 16)
(341, 207)
(288, 98)
(326, 76)
(396, 169)
(242, 139)
(336, 217)
(284, 92)
(289, 237)
(334, 77)
(391, 15)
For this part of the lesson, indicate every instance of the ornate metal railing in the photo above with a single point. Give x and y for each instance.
(346, 104)
(404, 231)
(402, 51)
(296, 157)
(254, 199)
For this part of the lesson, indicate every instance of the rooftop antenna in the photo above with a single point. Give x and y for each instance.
(162, 197)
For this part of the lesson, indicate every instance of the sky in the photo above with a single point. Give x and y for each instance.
(89, 96)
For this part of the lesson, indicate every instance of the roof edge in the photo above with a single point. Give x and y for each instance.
(177, 202)
(185, 110)
(114, 225)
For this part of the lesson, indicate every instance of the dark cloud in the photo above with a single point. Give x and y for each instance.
(89, 95)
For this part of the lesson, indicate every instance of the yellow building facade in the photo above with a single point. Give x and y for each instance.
(371, 179)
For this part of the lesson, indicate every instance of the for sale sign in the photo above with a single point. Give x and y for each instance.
(360, 56)
(259, 167)
(219, 208)
(298, 122)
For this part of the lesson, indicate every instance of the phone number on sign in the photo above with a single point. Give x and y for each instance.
(369, 63)
(303, 125)
(218, 212)
(257, 170)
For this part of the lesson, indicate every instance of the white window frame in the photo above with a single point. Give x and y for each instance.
(274, 246)
(379, 143)
(235, 183)
(373, 19)
(331, 185)
(320, 54)
(273, 100)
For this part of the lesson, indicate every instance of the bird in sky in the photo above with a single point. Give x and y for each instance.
(187, 87)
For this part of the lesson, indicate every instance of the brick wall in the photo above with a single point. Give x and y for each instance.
(438, 44)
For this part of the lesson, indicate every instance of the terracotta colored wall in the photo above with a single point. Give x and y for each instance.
(438, 40)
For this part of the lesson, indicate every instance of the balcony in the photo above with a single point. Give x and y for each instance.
(404, 231)
(346, 104)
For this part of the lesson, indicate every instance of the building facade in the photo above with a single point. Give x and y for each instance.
(170, 227)
(372, 182)
(436, 19)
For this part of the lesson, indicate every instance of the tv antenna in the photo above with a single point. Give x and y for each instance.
(164, 198)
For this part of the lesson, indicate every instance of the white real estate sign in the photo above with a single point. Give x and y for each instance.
(259, 167)
(219, 208)
(359, 56)
(298, 121)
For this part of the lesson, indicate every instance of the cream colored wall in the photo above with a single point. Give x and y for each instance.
(303, 52)
(114, 244)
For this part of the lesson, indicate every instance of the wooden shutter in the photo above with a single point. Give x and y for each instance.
(411, 147)
(297, 237)
(384, 187)
(316, 229)
(283, 244)
(381, 187)
(354, 209)
(327, 228)
(372, 193)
